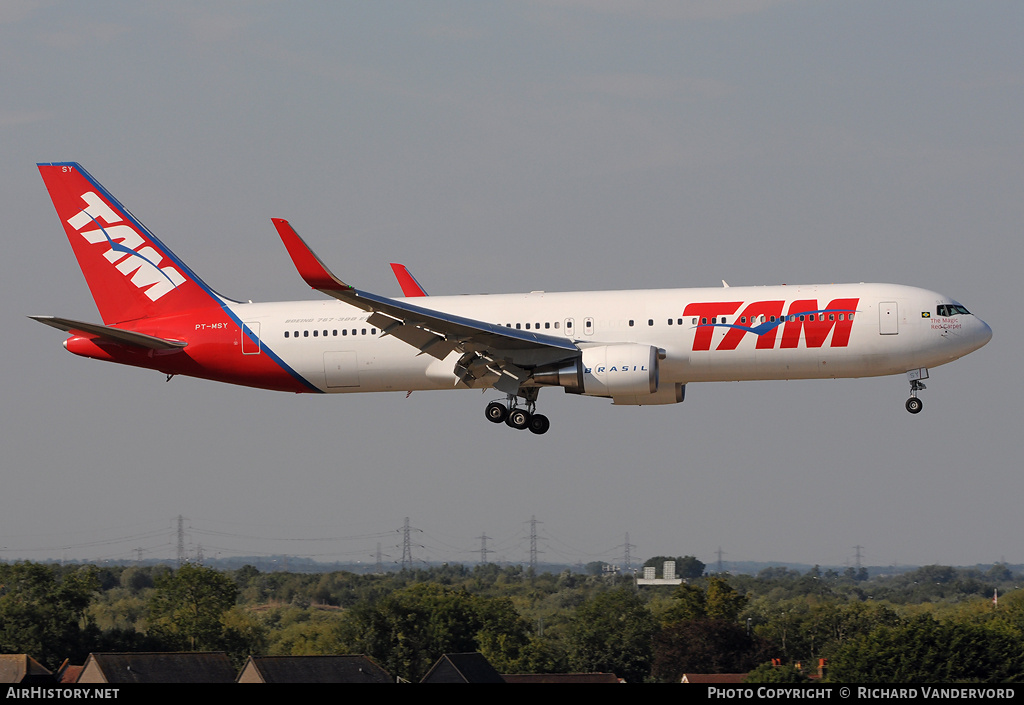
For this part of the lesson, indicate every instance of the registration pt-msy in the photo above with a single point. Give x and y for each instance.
(634, 347)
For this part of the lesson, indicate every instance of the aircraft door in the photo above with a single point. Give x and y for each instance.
(341, 369)
(251, 338)
(888, 318)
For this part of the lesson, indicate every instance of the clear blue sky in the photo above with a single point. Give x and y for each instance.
(498, 147)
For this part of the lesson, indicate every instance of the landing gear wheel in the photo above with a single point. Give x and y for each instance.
(496, 412)
(914, 405)
(539, 424)
(518, 419)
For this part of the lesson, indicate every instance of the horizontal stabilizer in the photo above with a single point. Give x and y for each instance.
(116, 335)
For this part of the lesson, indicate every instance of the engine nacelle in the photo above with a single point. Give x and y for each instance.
(628, 370)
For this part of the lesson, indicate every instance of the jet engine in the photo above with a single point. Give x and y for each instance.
(628, 370)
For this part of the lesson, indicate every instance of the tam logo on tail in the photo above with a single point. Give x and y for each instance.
(130, 272)
(141, 264)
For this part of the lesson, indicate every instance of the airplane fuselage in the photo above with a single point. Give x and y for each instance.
(633, 347)
(710, 334)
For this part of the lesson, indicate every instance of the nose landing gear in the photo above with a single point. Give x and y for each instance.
(914, 405)
(518, 417)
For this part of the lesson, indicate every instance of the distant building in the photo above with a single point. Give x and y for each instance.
(668, 575)
(313, 669)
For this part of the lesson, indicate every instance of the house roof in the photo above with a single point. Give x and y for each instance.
(69, 674)
(313, 669)
(463, 668)
(560, 678)
(22, 668)
(714, 677)
(154, 667)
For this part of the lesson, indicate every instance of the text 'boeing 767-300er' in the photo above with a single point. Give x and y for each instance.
(633, 347)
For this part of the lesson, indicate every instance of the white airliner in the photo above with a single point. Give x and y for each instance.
(633, 347)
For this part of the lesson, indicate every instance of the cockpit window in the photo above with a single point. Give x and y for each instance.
(952, 310)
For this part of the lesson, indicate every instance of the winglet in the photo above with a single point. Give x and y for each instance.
(410, 287)
(311, 269)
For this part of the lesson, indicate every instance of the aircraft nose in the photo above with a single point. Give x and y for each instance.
(985, 334)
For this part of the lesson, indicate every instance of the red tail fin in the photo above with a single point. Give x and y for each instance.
(130, 273)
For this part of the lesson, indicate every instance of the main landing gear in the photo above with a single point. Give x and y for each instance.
(914, 405)
(518, 417)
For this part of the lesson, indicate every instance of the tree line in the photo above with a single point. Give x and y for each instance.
(933, 624)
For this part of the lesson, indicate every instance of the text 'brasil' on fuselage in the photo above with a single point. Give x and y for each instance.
(634, 347)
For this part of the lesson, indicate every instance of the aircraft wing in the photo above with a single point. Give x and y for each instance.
(488, 348)
(116, 335)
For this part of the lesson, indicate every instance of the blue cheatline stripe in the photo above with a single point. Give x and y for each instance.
(263, 347)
